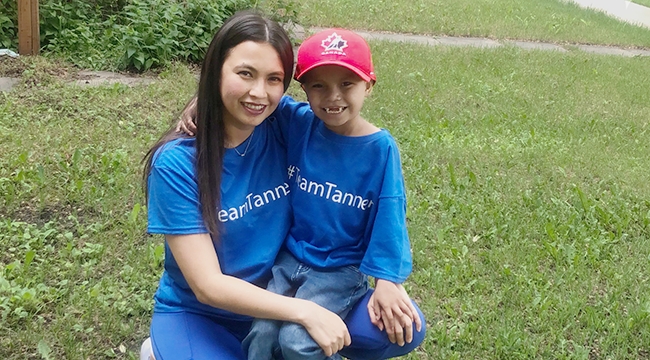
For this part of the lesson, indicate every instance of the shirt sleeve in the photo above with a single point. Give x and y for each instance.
(173, 206)
(388, 256)
(291, 119)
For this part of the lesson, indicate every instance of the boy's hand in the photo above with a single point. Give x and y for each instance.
(187, 124)
(390, 309)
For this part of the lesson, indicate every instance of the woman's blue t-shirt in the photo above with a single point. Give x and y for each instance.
(255, 212)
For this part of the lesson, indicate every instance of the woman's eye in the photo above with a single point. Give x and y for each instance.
(245, 73)
(275, 79)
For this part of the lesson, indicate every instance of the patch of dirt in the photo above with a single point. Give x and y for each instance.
(11, 67)
(60, 213)
(37, 67)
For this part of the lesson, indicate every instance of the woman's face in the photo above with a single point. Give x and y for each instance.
(251, 84)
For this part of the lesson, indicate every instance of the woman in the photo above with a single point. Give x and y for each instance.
(220, 245)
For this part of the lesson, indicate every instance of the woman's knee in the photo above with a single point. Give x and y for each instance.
(186, 335)
(368, 342)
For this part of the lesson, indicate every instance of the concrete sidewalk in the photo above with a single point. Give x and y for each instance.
(621, 9)
(489, 43)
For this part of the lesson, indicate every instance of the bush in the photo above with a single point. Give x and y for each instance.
(158, 31)
(8, 24)
(132, 34)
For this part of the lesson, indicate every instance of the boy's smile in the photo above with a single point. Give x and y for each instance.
(336, 110)
(336, 96)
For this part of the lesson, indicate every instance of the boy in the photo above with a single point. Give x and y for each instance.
(348, 201)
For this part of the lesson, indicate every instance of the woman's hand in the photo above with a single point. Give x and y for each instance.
(187, 124)
(326, 328)
(390, 308)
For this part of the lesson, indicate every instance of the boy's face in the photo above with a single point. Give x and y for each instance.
(336, 96)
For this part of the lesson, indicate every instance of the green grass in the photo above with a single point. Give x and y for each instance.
(642, 2)
(541, 20)
(527, 198)
(528, 204)
(77, 271)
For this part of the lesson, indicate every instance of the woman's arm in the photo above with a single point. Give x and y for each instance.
(199, 264)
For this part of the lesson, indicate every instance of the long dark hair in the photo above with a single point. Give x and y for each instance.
(210, 131)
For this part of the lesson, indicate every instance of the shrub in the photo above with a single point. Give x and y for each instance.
(132, 34)
(158, 31)
(8, 24)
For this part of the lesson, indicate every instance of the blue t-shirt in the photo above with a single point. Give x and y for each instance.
(347, 195)
(254, 217)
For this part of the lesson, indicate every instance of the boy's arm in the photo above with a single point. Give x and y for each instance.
(388, 256)
(388, 253)
(291, 117)
(187, 122)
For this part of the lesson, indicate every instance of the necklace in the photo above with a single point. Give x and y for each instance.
(250, 138)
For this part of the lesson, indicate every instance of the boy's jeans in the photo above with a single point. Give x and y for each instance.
(336, 289)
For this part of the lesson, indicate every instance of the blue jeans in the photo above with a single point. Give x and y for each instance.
(337, 290)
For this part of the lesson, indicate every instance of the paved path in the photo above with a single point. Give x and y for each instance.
(620, 9)
(489, 43)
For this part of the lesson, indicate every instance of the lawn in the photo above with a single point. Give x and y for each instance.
(541, 20)
(528, 198)
(642, 2)
(527, 184)
(78, 271)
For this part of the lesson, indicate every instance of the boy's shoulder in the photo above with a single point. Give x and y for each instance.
(383, 137)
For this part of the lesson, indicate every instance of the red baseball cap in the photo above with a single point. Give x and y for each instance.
(336, 47)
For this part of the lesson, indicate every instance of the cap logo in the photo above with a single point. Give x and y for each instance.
(334, 44)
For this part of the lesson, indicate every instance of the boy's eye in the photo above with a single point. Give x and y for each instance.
(347, 83)
(316, 86)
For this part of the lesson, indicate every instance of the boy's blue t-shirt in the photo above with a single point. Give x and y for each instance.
(254, 217)
(348, 197)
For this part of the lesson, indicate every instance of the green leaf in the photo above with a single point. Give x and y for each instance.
(129, 52)
(148, 64)
(135, 212)
(140, 58)
(29, 257)
(452, 175)
(76, 157)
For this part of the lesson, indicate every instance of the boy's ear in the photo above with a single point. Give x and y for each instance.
(369, 85)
